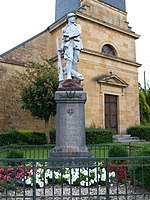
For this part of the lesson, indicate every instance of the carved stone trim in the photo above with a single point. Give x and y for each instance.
(112, 80)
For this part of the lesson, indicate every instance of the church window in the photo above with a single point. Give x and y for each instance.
(108, 50)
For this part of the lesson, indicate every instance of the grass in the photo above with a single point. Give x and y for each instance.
(30, 153)
(44, 153)
(97, 151)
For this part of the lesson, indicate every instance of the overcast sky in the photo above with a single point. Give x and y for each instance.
(22, 19)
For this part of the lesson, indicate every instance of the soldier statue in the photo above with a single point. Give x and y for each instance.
(71, 46)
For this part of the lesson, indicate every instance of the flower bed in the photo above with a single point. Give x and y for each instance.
(106, 178)
(44, 175)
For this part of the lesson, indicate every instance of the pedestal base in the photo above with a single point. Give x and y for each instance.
(70, 151)
(70, 125)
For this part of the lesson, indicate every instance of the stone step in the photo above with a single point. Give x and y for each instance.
(135, 138)
(125, 138)
(121, 136)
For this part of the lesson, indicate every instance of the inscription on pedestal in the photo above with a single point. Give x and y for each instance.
(70, 125)
(70, 112)
(70, 94)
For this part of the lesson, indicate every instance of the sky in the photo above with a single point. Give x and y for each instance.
(23, 19)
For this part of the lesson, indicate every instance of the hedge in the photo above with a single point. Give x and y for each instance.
(98, 135)
(93, 136)
(143, 132)
(141, 167)
(21, 137)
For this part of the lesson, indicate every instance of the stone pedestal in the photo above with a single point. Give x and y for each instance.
(70, 125)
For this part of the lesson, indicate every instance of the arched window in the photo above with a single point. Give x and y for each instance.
(109, 50)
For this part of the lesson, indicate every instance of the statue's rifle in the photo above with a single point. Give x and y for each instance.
(60, 70)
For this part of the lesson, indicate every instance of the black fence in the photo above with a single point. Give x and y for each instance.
(85, 178)
(43, 151)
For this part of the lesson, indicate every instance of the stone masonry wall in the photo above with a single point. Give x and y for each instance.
(11, 114)
(34, 49)
(95, 34)
(101, 24)
(105, 13)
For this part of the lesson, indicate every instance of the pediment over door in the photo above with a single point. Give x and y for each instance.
(112, 80)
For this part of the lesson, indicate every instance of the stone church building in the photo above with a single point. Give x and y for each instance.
(107, 61)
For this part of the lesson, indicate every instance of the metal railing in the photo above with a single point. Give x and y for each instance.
(43, 151)
(75, 178)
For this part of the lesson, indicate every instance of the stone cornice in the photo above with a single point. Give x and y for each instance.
(102, 23)
(12, 62)
(117, 59)
(95, 20)
(112, 80)
(56, 25)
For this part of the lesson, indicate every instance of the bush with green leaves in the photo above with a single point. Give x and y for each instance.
(98, 135)
(141, 167)
(144, 108)
(93, 135)
(14, 136)
(37, 90)
(15, 153)
(117, 151)
(40, 82)
(143, 132)
(52, 134)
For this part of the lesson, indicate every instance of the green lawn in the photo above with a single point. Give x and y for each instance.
(30, 153)
(44, 152)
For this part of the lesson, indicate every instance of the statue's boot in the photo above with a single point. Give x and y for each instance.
(68, 69)
(77, 75)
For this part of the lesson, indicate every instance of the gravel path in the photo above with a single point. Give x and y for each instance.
(47, 194)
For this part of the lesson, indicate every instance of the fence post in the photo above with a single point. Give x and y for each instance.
(130, 149)
(34, 179)
(107, 180)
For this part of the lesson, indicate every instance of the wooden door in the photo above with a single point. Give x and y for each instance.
(111, 118)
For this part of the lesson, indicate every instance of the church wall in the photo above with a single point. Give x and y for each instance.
(101, 24)
(98, 35)
(11, 114)
(92, 63)
(32, 50)
(105, 13)
(128, 100)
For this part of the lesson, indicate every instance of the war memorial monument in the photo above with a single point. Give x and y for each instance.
(70, 97)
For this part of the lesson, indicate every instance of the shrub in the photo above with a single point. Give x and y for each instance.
(13, 153)
(117, 151)
(141, 167)
(143, 132)
(93, 135)
(8, 137)
(98, 135)
(144, 109)
(29, 137)
(53, 136)
(21, 137)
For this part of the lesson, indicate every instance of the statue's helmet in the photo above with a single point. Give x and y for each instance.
(71, 15)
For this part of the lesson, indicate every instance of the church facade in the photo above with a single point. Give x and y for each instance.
(107, 61)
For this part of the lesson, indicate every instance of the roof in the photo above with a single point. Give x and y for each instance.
(63, 7)
(22, 44)
(120, 4)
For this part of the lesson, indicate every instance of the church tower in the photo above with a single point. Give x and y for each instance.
(107, 61)
(63, 7)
